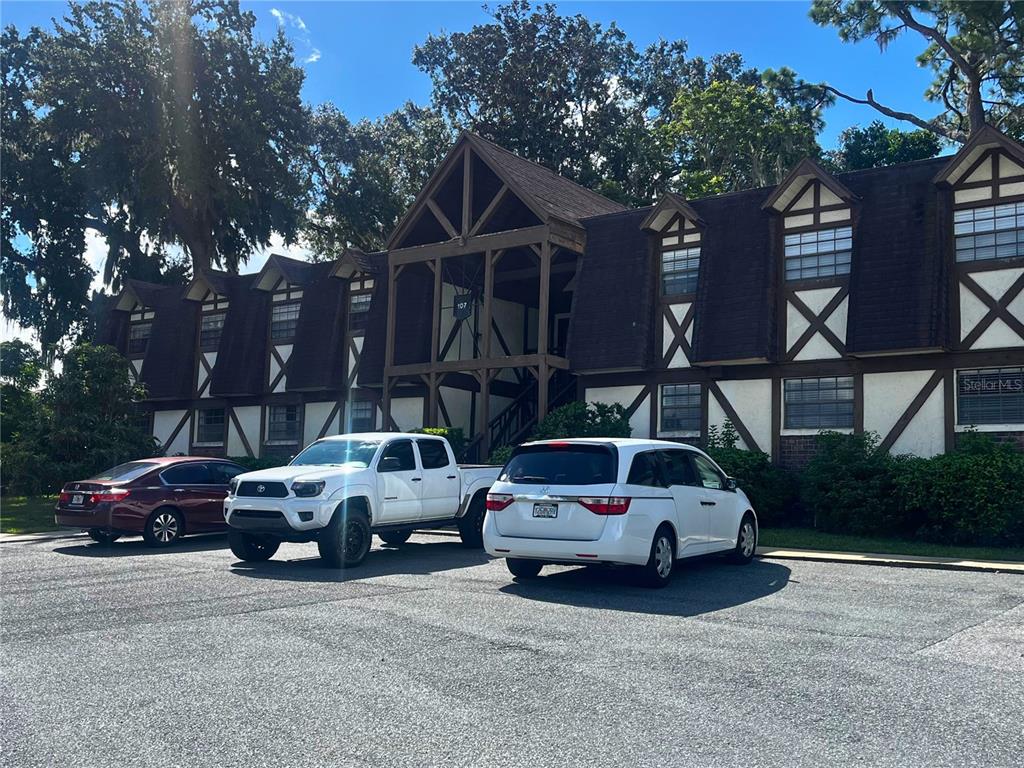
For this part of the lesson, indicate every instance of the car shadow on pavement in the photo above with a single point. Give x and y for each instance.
(135, 546)
(412, 558)
(698, 586)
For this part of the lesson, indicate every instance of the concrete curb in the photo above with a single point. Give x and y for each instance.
(893, 561)
(45, 536)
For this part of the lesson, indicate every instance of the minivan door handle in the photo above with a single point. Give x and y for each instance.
(707, 503)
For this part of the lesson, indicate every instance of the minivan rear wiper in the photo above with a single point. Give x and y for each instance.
(530, 479)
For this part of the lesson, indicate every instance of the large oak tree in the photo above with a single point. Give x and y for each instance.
(162, 126)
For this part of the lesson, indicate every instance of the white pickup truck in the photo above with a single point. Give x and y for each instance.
(341, 490)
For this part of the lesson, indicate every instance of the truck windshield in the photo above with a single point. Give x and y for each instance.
(561, 464)
(357, 453)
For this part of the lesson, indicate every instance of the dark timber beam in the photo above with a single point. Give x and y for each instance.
(467, 190)
(514, 238)
(476, 364)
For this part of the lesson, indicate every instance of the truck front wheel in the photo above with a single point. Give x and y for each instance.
(471, 525)
(251, 548)
(345, 542)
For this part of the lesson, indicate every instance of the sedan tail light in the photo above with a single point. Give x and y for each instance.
(498, 501)
(114, 494)
(605, 505)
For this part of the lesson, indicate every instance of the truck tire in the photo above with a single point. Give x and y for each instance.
(252, 549)
(346, 540)
(471, 525)
(394, 538)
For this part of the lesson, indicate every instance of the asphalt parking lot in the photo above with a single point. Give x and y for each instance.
(431, 655)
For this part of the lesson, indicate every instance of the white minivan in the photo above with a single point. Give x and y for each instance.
(636, 502)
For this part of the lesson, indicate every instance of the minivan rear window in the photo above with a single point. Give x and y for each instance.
(561, 464)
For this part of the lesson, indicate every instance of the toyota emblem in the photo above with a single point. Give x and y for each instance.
(260, 488)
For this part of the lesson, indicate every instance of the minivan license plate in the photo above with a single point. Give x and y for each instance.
(77, 498)
(545, 510)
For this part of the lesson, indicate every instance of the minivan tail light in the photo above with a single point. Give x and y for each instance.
(498, 501)
(114, 494)
(605, 505)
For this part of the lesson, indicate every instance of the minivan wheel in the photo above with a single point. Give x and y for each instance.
(163, 528)
(252, 549)
(103, 537)
(471, 525)
(746, 542)
(394, 538)
(523, 569)
(658, 571)
(345, 542)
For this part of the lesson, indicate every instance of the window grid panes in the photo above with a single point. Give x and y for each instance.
(990, 232)
(210, 330)
(210, 426)
(825, 403)
(820, 253)
(358, 311)
(990, 396)
(679, 268)
(138, 337)
(284, 424)
(283, 320)
(363, 416)
(680, 408)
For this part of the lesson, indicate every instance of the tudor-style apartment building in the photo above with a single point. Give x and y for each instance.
(889, 300)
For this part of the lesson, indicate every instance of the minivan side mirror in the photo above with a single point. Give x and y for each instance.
(730, 484)
(389, 464)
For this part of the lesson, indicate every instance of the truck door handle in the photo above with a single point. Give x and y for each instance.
(416, 479)
(707, 503)
(451, 477)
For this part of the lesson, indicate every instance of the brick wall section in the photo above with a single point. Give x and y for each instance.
(1015, 439)
(795, 451)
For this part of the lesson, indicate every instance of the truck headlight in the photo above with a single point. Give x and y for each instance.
(305, 489)
(232, 486)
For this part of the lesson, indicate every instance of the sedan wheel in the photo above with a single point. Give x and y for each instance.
(163, 528)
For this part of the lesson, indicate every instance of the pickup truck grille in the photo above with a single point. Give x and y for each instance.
(262, 490)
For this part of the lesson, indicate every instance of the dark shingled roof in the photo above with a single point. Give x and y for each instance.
(242, 354)
(733, 314)
(171, 339)
(110, 325)
(370, 263)
(415, 289)
(555, 194)
(294, 271)
(897, 278)
(618, 272)
(318, 355)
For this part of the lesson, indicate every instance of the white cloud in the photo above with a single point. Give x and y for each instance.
(300, 33)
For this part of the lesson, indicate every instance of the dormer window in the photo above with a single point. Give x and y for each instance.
(284, 315)
(818, 253)
(680, 258)
(360, 292)
(140, 325)
(989, 232)
(211, 320)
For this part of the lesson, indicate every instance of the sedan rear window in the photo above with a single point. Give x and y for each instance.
(124, 473)
(561, 464)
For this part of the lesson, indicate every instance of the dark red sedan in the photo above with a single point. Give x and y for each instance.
(162, 498)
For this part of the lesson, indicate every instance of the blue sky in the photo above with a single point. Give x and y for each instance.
(359, 54)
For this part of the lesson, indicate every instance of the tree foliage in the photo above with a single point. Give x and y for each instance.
(365, 175)
(83, 422)
(975, 50)
(875, 145)
(155, 124)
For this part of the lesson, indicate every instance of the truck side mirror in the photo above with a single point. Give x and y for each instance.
(730, 484)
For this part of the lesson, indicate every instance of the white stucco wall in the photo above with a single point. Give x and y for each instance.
(886, 397)
(249, 419)
(752, 401)
(164, 423)
(315, 416)
(407, 412)
(457, 404)
(640, 421)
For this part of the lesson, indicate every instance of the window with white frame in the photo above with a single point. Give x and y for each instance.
(284, 424)
(818, 253)
(358, 311)
(284, 318)
(680, 408)
(210, 328)
(362, 415)
(138, 337)
(989, 232)
(679, 270)
(210, 426)
(819, 403)
(990, 396)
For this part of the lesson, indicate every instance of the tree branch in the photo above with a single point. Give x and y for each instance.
(947, 133)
